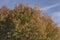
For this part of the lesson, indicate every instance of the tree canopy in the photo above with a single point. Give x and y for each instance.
(26, 23)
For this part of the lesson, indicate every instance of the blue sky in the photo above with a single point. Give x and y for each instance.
(52, 7)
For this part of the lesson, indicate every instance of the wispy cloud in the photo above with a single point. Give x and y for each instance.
(51, 6)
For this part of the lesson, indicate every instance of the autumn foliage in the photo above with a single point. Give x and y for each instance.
(26, 23)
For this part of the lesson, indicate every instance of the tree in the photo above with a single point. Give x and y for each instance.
(26, 23)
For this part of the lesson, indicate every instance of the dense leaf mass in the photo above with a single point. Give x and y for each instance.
(26, 23)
